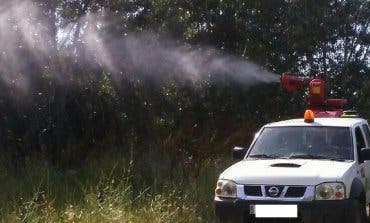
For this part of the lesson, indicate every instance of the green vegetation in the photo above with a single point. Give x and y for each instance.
(105, 192)
(100, 129)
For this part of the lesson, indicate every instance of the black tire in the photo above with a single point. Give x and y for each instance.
(360, 212)
(224, 220)
(229, 220)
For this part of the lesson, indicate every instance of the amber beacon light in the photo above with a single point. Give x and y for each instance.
(309, 116)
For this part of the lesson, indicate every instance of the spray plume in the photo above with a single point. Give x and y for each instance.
(24, 42)
(23, 26)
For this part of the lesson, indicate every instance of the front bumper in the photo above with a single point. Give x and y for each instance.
(308, 211)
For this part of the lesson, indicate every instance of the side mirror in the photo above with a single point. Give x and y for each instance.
(365, 154)
(239, 152)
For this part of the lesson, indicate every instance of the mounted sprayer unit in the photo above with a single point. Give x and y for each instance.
(321, 106)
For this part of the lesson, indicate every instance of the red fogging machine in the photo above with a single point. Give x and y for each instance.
(321, 106)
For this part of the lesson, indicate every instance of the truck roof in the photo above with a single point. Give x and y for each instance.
(334, 122)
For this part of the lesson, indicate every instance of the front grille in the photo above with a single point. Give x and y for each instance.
(276, 191)
(253, 190)
(295, 192)
(268, 193)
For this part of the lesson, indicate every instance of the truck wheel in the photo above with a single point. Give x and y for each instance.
(221, 220)
(229, 220)
(224, 219)
(360, 212)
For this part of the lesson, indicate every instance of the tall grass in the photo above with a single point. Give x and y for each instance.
(105, 190)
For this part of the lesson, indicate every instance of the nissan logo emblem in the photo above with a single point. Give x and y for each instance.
(274, 191)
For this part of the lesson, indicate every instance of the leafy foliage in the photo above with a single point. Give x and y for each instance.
(66, 111)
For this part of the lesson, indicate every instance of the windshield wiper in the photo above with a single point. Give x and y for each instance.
(306, 156)
(338, 159)
(310, 156)
(265, 156)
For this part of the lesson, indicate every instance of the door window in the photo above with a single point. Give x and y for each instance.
(360, 142)
(367, 133)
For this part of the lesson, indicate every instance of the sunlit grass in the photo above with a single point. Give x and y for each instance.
(104, 191)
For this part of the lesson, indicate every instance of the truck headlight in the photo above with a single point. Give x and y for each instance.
(225, 188)
(330, 191)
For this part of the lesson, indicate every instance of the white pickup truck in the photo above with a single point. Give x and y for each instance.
(306, 170)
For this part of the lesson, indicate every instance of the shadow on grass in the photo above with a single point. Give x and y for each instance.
(108, 189)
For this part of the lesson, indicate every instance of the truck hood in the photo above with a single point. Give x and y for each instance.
(286, 172)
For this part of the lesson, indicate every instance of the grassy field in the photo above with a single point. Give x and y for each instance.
(107, 189)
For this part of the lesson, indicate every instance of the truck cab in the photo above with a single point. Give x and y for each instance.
(307, 170)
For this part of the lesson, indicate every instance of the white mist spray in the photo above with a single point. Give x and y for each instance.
(22, 25)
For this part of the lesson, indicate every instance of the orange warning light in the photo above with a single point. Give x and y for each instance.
(309, 116)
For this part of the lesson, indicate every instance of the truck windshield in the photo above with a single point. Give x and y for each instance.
(303, 142)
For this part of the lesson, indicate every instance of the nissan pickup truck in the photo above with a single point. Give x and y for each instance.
(301, 170)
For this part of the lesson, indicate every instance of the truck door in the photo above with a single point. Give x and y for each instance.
(364, 166)
(366, 132)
